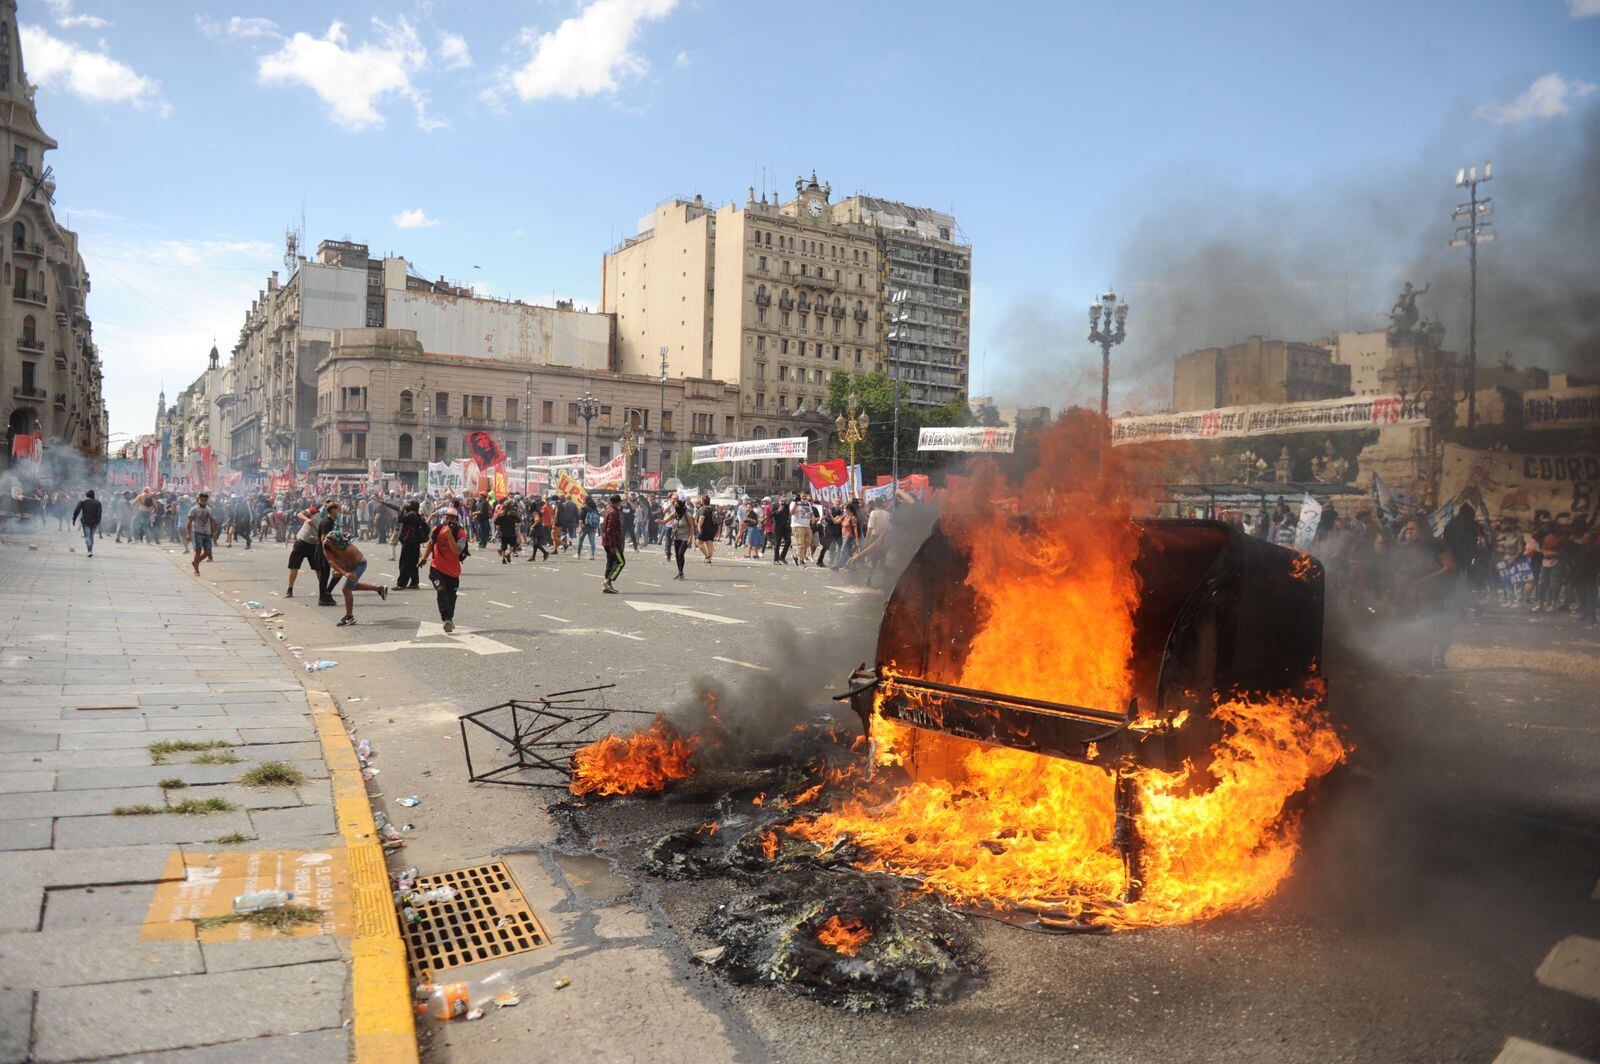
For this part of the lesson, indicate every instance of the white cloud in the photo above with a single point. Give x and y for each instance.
(238, 27)
(67, 20)
(93, 76)
(353, 80)
(1549, 97)
(589, 53)
(453, 51)
(1583, 8)
(682, 60)
(415, 218)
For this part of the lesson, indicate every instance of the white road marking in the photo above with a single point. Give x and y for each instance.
(553, 617)
(1573, 965)
(602, 631)
(681, 611)
(708, 594)
(507, 605)
(627, 635)
(785, 605)
(596, 576)
(745, 664)
(647, 583)
(852, 590)
(460, 639)
(1522, 1051)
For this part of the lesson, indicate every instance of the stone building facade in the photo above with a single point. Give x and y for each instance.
(1257, 371)
(50, 373)
(380, 394)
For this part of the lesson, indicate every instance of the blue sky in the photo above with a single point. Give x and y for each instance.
(508, 145)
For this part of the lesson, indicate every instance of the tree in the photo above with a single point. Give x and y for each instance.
(690, 474)
(875, 394)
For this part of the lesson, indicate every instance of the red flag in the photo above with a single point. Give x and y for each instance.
(829, 474)
(484, 449)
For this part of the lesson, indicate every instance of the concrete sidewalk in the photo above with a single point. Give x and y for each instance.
(99, 956)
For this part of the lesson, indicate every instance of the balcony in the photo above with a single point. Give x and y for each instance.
(27, 247)
(30, 343)
(763, 299)
(61, 400)
(30, 296)
(861, 314)
(804, 306)
(785, 302)
(61, 359)
(837, 310)
(22, 391)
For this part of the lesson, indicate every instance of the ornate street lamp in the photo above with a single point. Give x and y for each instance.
(852, 428)
(588, 409)
(1107, 327)
(628, 447)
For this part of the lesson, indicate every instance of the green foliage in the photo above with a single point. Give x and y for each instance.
(702, 475)
(875, 394)
(231, 839)
(216, 757)
(160, 751)
(273, 774)
(137, 810)
(171, 783)
(281, 918)
(201, 806)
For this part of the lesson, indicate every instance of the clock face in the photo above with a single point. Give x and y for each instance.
(815, 208)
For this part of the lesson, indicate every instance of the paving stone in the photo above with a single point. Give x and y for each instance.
(310, 1047)
(34, 833)
(16, 1025)
(18, 782)
(34, 960)
(76, 803)
(82, 725)
(17, 742)
(148, 775)
(268, 952)
(302, 820)
(1573, 965)
(96, 908)
(204, 730)
(185, 1011)
(277, 735)
(302, 751)
(84, 832)
(58, 759)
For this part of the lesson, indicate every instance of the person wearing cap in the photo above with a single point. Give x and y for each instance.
(443, 555)
(611, 541)
(200, 513)
(346, 561)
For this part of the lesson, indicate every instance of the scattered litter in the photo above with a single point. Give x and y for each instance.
(507, 1000)
(319, 666)
(296, 653)
(258, 900)
(563, 983)
(368, 773)
(464, 999)
(475, 1014)
(253, 604)
(355, 699)
(410, 801)
(364, 750)
(297, 648)
(386, 830)
(710, 956)
(280, 637)
(267, 615)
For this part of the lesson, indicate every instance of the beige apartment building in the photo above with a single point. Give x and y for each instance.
(380, 395)
(1257, 371)
(50, 374)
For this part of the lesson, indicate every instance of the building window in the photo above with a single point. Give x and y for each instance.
(19, 235)
(405, 446)
(783, 404)
(727, 424)
(803, 322)
(761, 315)
(477, 407)
(783, 347)
(511, 450)
(572, 415)
(353, 400)
(546, 450)
(666, 422)
(407, 402)
(511, 409)
(439, 443)
(30, 371)
(572, 448)
(784, 318)
(836, 352)
(763, 264)
(761, 345)
(605, 417)
(761, 400)
(702, 425)
(638, 417)
(783, 373)
(441, 404)
(858, 356)
(547, 412)
(30, 329)
(352, 445)
(605, 453)
(861, 329)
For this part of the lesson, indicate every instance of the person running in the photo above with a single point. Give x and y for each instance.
(241, 520)
(506, 520)
(611, 539)
(346, 561)
(782, 530)
(410, 531)
(849, 533)
(682, 531)
(200, 513)
(305, 548)
(86, 515)
(800, 519)
(538, 532)
(446, 547)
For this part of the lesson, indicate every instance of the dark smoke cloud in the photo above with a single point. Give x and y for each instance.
(1216, 264)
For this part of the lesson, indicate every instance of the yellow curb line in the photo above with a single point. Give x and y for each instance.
(383, 1028)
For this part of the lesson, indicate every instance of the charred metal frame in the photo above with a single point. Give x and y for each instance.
(542, 733)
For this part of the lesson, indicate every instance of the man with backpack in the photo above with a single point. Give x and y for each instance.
(411, 530)
(87, 516)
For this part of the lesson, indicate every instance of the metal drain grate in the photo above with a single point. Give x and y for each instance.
(488, 918)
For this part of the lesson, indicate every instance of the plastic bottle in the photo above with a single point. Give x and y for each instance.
(453, 1000)
(318, 666)
(364, 750)
(257, 900)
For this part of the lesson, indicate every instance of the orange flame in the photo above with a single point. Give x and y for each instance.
(847, 937)
(997, 826)
(769, 844)
(1303, 567)
(641, 763)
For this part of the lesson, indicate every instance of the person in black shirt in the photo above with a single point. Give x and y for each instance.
(87, 516)
(412, 530)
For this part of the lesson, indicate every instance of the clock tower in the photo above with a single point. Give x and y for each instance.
(812, 199)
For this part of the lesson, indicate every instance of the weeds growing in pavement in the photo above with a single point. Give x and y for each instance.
(160, 751)
(201, 806)
(282, 918)
(171, 783)
(273, 774)
(137, 810)
(216, 757)
(232, 839)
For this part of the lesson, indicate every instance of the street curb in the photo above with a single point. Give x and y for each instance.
(383, 1027)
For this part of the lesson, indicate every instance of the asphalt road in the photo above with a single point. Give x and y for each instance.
(1441, 866)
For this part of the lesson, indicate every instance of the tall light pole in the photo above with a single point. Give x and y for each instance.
(852, 430)
(661, 415)
(1107, 327)
(628, 447)
(1472, 231)
(901, 297)
(588, 409)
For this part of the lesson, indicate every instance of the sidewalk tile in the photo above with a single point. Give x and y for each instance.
(83, 955)
(310, 1047)
(32, 834)
(269, 952)
(77, 803)
(83, 832)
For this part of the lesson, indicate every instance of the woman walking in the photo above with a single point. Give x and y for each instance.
(706, 518)
(682, 531)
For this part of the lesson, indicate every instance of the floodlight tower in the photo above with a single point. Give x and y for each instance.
(1472, 229)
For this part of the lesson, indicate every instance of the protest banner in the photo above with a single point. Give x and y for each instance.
(1322, 415)
(613, 474)
(1522, 485)
(750, 450)
(650, 481)
(567, 487)
(554, 462)
(832, 482)
(446, 478)
(1305, 532)
(976, 438)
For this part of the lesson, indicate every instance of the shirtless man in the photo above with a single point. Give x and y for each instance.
(345, 560)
